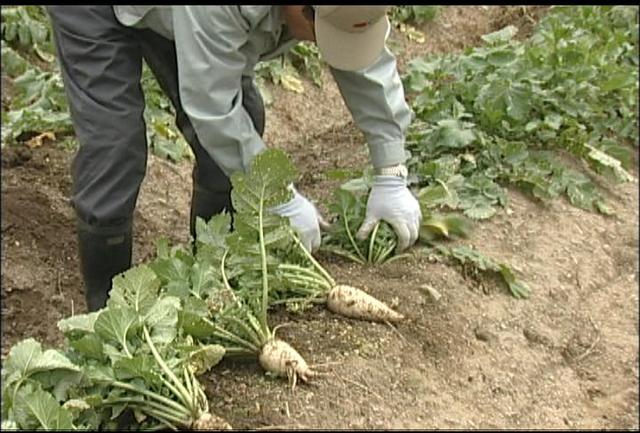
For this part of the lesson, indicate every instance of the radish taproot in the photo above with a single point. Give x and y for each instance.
(208, 421)
(352, 302)
(242, 325)
(316, 283)
(279, 358)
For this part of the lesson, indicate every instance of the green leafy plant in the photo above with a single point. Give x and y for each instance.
(413, 14)
(303, 60)
(131, 355)
(163, 136)
(510, 112)
(475, 262)
(33, 383)
(349, 205)
(226, 287)
(27, 28)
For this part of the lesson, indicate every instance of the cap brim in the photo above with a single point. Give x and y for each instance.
(351, 51)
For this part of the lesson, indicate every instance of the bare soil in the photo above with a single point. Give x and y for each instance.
(567, 357)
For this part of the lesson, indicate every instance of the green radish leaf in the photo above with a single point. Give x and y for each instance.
(78, 324)
(36, 410)
(503, 35)
(437, 195)
(453, 134)
(480, 212)
(617, 80)
(58, 382)
(360, 184)
(195, 325)
(171, 270)
(214, 231)
(114, 325)
(204, 278)
(162, 320)
(609, 162)
(136, 289)
(100, 373)
(582, 195)
(140, 366)
(27, 358)
(204, 358)
(89, 345)
(270, 174)
(501, 57)
(518, 289)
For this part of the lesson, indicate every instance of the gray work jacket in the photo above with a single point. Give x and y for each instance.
(217, 45)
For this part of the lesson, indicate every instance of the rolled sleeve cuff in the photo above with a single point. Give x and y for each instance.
(387, 153)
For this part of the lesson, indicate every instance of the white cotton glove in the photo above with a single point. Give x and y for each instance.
(304, 218)
(390, 200)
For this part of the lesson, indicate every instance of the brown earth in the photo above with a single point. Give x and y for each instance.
(567, 357)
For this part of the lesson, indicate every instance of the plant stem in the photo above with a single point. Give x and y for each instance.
(313, 261)
(199, 396)
(315, 281)
(182, 416)
(349, 235)
(250, 332)
(225, 281)
(150, 394)
(372, 241)
(386, 253)
(304, 282)
(263, 259)
(188, 385)
(296, 269)
(226, 335)
(238, 351)
(183, 393)
(166, 417)
(315, 300)
(344, 253)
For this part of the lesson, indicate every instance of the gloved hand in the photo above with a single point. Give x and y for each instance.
(390, 200)
(304, 218)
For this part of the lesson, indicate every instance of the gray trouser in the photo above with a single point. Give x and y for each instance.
(101, 65)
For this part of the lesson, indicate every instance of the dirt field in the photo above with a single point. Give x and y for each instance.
(476, 358)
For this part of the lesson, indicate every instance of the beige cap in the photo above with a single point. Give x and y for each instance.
(351, 37)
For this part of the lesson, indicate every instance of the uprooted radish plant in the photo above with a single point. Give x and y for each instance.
(130, 356)
(292, 272)
(349, 205)
(226, 286)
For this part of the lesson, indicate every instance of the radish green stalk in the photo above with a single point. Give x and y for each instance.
(244, 327)
(317, 283)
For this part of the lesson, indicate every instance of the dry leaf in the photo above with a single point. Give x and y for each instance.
(39, 139)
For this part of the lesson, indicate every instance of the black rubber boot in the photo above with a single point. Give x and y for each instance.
(206, 203)
(103, 255)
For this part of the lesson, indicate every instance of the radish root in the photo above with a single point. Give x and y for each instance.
(355, 303)
(279, 358)
(208, 421)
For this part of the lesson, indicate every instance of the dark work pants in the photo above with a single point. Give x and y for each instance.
(101, 65)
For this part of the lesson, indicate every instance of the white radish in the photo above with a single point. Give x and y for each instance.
(208, 421)
(355, 303)
(280, 358)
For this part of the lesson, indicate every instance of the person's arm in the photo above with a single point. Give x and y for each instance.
(210, 67)
(375, 98)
